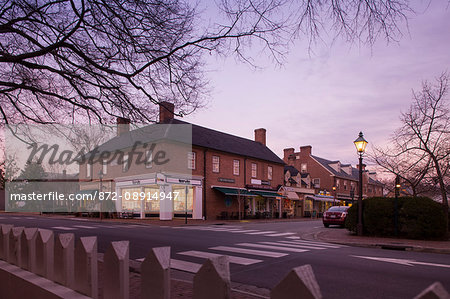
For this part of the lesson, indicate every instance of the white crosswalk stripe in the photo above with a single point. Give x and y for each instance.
(261, 233)
(64, 228)
(84, 226)
(293, 238)
(282, 248)
(294, 245)
(244, 231)
(233, 259)
(249, 251)
(311, 243)
(281, 234)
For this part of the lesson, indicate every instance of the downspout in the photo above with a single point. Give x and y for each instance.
(204, 183)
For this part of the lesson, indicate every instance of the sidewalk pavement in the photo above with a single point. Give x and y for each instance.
(344, 237)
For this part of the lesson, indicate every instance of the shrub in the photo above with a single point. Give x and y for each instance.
(378, 217)
(419, 217)
(422, 218)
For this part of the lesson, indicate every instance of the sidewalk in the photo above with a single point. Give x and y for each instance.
(344, 237)
(157, 222)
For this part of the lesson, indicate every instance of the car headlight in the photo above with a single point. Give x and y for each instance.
(344, 214)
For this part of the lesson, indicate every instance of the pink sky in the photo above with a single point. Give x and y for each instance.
(325, 98)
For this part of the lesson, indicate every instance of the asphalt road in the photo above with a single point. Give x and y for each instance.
(263, 253)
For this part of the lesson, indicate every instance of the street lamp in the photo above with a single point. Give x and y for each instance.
(397, 191)
(360, 144)
(334, 195)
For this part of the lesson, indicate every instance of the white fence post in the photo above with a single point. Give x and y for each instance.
(116, 273)
(64, 259)
(213, 279)
(434, 291)
(28, 249)
(155, 274)
(14, 248)
(86, 267)
(300, 282)
(45, 243)
(4, 240)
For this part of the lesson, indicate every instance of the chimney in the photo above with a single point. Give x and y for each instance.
(260, 136)
(166, 111)
(305, 150)
(363, 167)
(288, 152)
(123, 125)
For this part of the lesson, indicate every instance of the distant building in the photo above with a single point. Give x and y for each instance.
(333, 182)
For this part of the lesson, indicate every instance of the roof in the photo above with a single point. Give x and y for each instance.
(342, 174)
(201, 136)
(292, 170)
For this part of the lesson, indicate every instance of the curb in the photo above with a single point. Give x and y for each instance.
(403, 247)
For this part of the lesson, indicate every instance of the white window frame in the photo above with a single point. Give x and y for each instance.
(236, 167)
(304, 168)
(88, 170)
(269, 173)
(314, 182)
(125, 163)
(148, 159)
(254, 170)
(215, 164)
(104, 166)
(191, 160)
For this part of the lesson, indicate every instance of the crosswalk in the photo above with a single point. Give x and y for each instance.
(240, 230)
(246, 254)
(96, 226)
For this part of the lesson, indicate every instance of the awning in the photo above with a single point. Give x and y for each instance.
(267, 193)
(292, 195)
(321, 198)
(233, 191)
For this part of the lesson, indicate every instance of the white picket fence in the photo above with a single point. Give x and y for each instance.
(37, 264)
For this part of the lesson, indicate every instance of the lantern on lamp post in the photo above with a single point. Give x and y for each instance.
(360, 144)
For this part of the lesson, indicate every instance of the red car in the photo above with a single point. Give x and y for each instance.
(335, 215)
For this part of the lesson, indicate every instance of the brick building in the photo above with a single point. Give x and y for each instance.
(213, 174)
(333, 182)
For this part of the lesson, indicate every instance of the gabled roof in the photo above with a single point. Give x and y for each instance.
(342, 174)
(292, 170)
(201, 136)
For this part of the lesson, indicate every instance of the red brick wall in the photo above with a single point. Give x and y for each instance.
(215, 201)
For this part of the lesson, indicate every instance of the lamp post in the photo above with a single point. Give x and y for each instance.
(334, 195)
(397, 191)
(360, 144)
(100, 176)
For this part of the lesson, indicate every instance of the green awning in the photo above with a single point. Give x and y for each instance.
(233, 191)
(267, 193)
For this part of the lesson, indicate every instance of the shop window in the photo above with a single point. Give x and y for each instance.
(345, 185)
(236, 167)
(191, 160)
(179, 199)
(152, 199)
(254, 170)
(128, 204)
(148, 158)
(215, 164)
(269, 173)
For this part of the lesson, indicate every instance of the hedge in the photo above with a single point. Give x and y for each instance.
(418, 217)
